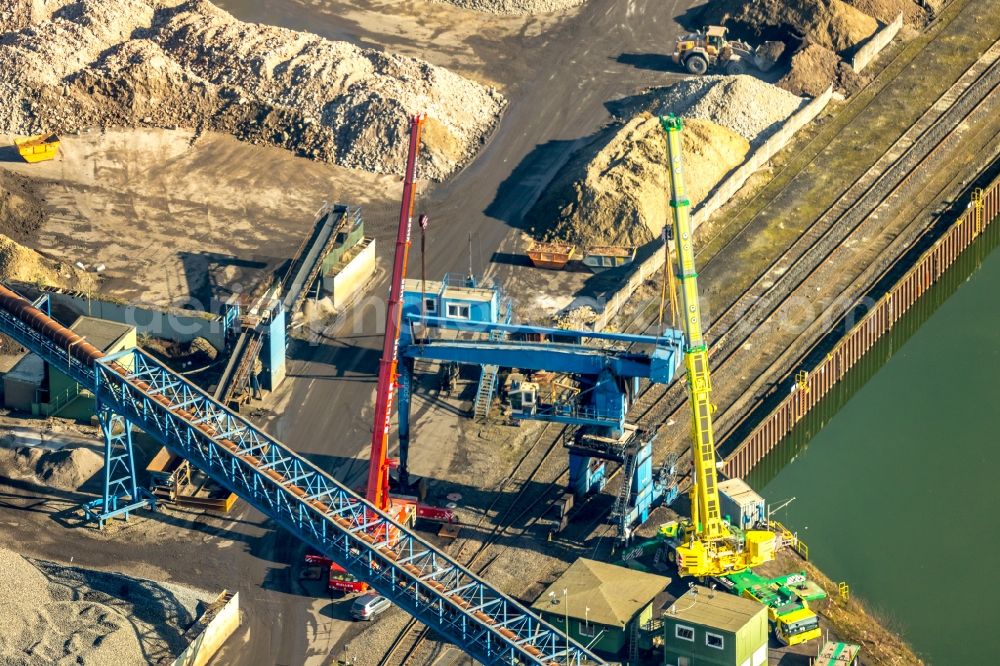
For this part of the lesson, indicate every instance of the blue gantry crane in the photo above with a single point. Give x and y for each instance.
(459, 321)
(132, 389)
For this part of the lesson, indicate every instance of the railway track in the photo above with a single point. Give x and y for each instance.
(413, 633)
(784, 279)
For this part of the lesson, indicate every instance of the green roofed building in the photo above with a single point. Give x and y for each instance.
(601, 603)
(708, 627)
(67, 399)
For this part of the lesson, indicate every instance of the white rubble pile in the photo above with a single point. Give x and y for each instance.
(168, 64)
(748, 106)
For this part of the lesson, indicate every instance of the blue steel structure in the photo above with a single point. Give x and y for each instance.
(609, 376)
(134, 389)
(121, 492)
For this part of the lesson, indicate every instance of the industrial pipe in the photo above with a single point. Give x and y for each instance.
(76, 346)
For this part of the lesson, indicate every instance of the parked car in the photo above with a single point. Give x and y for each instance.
(368, 606)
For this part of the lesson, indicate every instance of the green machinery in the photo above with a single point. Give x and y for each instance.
(787, 599)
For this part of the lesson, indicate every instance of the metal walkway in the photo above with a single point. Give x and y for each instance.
(489, 626)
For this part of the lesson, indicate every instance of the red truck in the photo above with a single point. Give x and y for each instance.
(339, 580)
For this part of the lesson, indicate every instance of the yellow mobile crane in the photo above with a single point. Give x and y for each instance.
(706, 545)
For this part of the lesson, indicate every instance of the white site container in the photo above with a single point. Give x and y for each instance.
(741, 504)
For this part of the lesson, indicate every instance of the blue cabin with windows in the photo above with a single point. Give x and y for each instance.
(456, 297)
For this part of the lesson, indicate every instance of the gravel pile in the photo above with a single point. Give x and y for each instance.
(68, 468)
(152, 63)
(15, 15)
(518, 7)
(19, 14)
(576, 319)
(744, 104)
(56, 614)
(886, 11)
(616, 192)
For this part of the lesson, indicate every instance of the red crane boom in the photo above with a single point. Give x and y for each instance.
(379, 465)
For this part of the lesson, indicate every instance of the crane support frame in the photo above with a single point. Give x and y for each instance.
(486, 624)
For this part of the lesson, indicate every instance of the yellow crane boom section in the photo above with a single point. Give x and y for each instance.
(706, 518)
(705, 546)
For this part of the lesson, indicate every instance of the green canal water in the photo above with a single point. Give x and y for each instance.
(896, 472)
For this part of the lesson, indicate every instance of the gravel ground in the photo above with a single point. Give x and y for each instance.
(68, 615)
(167, 64)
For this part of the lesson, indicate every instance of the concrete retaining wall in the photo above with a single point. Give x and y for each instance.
(177, 325)
(874, 46)
(722, 193)
(344, 285)
(211, 631)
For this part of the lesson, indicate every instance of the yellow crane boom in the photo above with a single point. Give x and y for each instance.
(706, 544)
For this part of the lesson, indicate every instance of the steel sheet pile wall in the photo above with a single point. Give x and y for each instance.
(877, 322)
(874, 46)
(719, 196)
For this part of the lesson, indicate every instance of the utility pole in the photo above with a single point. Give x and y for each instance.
(566, 611)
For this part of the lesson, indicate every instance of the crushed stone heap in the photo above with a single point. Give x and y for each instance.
(56, 614)
(515, 7)
(744, 104)
(617, 192)
(166, 63)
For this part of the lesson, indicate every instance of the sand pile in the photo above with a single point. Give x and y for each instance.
(23, 264)
(617, 191)
(814, 68)
(886, 11)
(21, 212)
(61, 615)
(516, 7)
(68, 468)
(40, 629)
(160, 63)
(830, 23)
(744, 104)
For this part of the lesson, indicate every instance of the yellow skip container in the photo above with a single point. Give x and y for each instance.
(37, 148)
